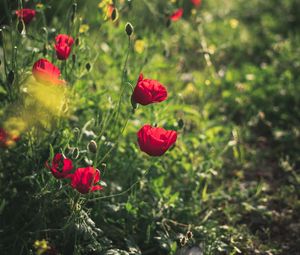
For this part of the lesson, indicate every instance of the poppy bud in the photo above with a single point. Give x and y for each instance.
(92, 146)
(77, 41)
(189, 234)
(88, 66)
(133, 103)
(10, 77)
(73, 58)
(74, 8)
(129, 29)
(20, 26)
(114, 15)
(168, 23)
(103, 166)
(180, 123)
(44, 30)
(183, 241)
(45, 50)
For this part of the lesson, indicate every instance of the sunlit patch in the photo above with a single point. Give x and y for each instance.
(44, 101)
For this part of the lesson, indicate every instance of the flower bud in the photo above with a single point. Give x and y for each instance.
(92, 146)
(77, 41)
(129, 29)
(10, 77)
(45, 49)
(88, 66)
(103, 166)
(114, 15)
(74, 9)
(134, 104)
(180, 123)
(189, 234)
(183, 241)
(21, 27)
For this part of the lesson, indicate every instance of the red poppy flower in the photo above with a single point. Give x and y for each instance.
(175, 16)
(26, 15)
(61, 167)
(84, 180)
(155, 141)
(148, 91)
(63, 46)
(196, 3)
(7, 139)
(44, 71)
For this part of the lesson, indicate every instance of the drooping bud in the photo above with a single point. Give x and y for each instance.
(92, 146)
(75, 153)
(129, 29)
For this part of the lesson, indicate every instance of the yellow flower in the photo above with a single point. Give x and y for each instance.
(39, 5)
(139, 46)
(104, 3)
(234, 23)
(41, 246)
(84, 28)
(194, 11)
(212, 49)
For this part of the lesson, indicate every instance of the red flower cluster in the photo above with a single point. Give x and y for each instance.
(63, 46)
(83, 180)
(175, 16)
(155, 141)
(26, 15)
(148, 91)
(45, 72)
(7, 139)
(196, 3)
